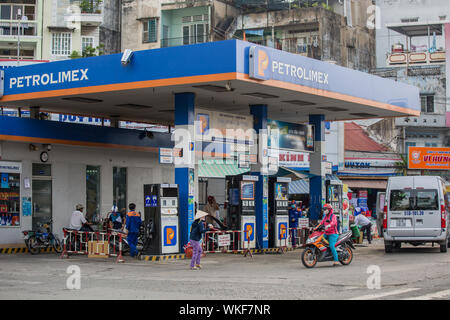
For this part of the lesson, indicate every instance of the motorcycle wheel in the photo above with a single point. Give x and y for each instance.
(57, 245)
(309, 258)
(33, 245)
(349, 258)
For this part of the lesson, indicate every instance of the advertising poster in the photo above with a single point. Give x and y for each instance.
(265, 208)
(4, 181)
(428, 158)
(292, 136)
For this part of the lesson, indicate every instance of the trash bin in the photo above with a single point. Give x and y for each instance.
(355, 232)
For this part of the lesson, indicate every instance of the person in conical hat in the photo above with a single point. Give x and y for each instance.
(197, 231)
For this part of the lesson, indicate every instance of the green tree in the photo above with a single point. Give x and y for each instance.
(401, 166)
(75, 55)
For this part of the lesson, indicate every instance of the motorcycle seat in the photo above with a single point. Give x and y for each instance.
(344, 236)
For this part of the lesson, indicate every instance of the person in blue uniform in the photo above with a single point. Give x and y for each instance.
(293, 222)
(133, 223)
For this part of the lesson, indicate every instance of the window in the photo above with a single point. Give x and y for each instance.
(10, 194)
(195, 29)
(427, 103)
(410, 144)
(87, 42)
(400, 200)
(93, 193)
(61, 43)
(11, 11)
(427, 200)
(120, 187)
(150, 30)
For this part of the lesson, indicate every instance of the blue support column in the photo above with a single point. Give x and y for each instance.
(185, 170)
(317, 182)
(259, 113)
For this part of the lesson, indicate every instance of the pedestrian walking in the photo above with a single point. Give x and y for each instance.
(197, 231)
(133, 224)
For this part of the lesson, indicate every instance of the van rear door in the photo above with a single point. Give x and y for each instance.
(400, 221)
(427, 214)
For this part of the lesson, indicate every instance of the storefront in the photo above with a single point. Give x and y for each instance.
(43, 181)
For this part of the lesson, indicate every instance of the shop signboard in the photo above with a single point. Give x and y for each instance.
(425, 158)
(369, 166)
(293, 159)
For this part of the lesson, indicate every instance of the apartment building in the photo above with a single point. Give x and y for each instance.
(411, 48)
(21, 29)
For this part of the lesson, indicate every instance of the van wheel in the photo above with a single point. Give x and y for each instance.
(448, 243)
(388, 248)
(444, 246)
(397, 245)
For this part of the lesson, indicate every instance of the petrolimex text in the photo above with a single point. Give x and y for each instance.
(49, 78)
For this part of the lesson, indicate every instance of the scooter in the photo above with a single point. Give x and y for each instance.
(318, 250)
(43, 238)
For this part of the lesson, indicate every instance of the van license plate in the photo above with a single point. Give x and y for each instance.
(403, 223)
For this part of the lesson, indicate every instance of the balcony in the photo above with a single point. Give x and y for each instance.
(415, 58)
(91, 13)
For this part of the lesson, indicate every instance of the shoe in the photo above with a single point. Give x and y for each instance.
(198, 266)
(335, 264)
(194, 268)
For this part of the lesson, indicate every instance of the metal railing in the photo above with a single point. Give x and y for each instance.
(82, 243)
(182, 41)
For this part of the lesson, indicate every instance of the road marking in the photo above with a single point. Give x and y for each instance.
(435, 295)
(386, 294)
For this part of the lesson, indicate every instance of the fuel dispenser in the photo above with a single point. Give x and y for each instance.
(278, 211)
(241, 191)
(334, 196)
(161, 212)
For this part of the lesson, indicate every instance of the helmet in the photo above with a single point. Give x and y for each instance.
(114, 209)
(327, 206)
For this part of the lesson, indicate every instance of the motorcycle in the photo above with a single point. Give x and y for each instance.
(318, 250)
(35, 240)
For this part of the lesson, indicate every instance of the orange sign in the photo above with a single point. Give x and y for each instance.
(429, 158)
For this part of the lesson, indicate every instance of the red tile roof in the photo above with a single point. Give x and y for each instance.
(356, 139)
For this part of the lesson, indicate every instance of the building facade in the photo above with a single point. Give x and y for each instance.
(411, 48)
(21, 27)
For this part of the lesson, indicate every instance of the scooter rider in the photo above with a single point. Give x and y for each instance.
(331, 233)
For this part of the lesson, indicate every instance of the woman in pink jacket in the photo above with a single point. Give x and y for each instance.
(331, 232)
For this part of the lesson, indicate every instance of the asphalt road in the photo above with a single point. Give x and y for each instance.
(408, 273)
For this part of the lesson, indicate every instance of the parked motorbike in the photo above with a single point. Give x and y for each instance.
(43, 238)
(318, 249)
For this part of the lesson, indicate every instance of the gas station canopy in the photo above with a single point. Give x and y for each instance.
(226, 75)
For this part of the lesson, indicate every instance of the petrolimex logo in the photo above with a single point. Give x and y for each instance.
(282, 230)
(250, 231)
(170, 236)
(265, 64)
(45, 79)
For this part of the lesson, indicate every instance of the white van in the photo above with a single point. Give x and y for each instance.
(416, 211)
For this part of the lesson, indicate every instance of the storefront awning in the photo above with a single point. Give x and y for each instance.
(299, 187)
(366, 184)
(219, 170)
(291, 173)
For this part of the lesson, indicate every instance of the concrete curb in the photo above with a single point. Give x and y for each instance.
(23, 250)
(163, 258)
